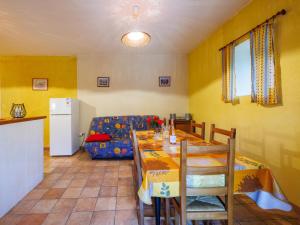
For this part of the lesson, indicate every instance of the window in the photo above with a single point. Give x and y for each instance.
(243, 68)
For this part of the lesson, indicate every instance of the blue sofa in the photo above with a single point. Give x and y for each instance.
(118, 127)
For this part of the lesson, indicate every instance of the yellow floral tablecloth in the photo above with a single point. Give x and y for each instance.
(160, 165)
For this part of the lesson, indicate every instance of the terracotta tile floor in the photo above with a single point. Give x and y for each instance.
(79, 191)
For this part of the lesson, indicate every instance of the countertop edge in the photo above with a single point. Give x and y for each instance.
(10, 121)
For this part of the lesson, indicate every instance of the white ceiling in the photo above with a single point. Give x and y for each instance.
(71, 27)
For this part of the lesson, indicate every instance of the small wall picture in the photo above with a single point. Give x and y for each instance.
(165, 81)
(39, 84)
(102, 81)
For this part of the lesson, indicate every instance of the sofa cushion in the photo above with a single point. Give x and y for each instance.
(203, 204)
(116, 148)
(118, 126)
(98, 138)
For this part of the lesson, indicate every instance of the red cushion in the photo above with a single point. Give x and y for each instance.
(98, 137)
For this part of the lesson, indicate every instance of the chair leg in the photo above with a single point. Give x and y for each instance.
(230, 218)
(182, 220)
(167, 211)
(141, 213)
(230, 221)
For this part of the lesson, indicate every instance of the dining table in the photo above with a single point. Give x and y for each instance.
(160, 162)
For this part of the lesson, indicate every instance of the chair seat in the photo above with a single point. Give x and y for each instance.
(203, 204)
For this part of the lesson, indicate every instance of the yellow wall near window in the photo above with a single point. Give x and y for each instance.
(268, 134)
(16, 83)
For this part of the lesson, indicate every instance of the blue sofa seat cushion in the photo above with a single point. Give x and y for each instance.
(116, 148)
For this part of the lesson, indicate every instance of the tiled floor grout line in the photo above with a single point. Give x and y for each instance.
(68, 218)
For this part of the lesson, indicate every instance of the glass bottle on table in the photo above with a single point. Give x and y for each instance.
(166, 130)
(172, 133)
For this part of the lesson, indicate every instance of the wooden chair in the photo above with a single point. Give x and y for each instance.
(212, 207)
(213, 130)
(195, 126)
(143, 210)
(137, 178)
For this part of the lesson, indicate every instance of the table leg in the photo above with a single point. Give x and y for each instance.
(157, 211)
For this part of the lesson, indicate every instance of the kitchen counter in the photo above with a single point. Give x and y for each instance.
(18, 120)
(21, 159)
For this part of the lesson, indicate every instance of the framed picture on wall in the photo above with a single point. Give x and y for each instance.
(102, 81)
(165, 81)
(40, 84)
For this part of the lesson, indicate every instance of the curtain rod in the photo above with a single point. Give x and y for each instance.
(279, 13)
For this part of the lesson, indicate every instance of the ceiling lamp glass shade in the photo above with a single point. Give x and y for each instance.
(136, 39)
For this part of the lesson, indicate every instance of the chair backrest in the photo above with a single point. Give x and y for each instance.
(228, 133)
(138, 177)
(195, 126)
(227, 169)
(118, 126)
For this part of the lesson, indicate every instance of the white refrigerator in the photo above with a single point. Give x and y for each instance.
(64, 126)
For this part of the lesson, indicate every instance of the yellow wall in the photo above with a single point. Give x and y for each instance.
(133, 85)
(268, 134)
(16, 83)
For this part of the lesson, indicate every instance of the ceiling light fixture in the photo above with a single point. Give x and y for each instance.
(136, 38)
